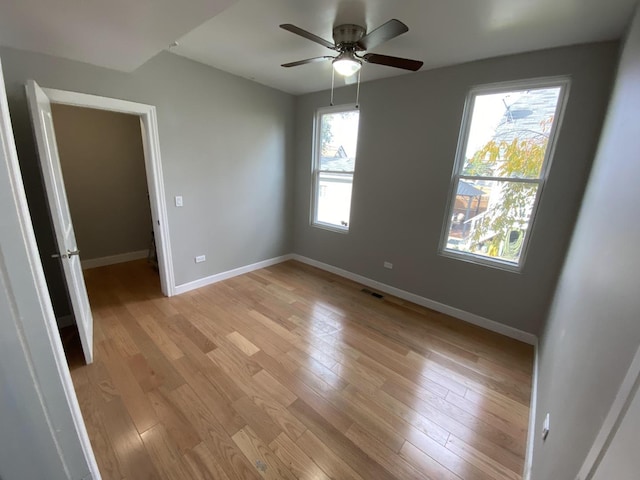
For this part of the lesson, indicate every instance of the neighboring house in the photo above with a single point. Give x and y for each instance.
(335, 159)
(330, 151)
(519, 120)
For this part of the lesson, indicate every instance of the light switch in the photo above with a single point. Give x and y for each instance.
(178, 200)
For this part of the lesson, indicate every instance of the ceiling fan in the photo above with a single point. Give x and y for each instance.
(350, 40)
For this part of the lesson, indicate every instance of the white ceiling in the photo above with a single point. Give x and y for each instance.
(119, 34)
(243, 37)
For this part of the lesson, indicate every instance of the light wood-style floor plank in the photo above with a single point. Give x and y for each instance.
(290, 372)
(296, 460)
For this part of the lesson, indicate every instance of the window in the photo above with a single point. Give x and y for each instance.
(336, 138)
(503, 157)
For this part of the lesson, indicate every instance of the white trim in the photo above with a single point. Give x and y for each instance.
(468, 317)
(330, 227)
(153, 164)
(619, 407)
(531, 432)
(114, 259)
(218, 277)
(523, 84)
(78, 99)
(463, 315)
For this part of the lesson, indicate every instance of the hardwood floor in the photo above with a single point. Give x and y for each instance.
(290, 372)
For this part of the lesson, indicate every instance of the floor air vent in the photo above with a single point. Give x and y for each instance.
(373, 294)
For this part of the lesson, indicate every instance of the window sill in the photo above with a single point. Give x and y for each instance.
(482, 260)
(331, 228)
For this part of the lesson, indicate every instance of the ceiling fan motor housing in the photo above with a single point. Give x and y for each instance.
(348, 34)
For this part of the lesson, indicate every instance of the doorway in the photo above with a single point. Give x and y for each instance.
(102, 160)
(42, 102)
(146, 115)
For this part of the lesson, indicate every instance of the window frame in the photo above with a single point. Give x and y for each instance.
(315, 167)
(564, 83)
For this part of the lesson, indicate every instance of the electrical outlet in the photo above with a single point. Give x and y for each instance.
(388, 265)
(201, 258)
(545, 427)
(179, 201)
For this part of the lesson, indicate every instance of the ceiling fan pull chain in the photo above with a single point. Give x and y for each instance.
(333, 74)
(358, 91)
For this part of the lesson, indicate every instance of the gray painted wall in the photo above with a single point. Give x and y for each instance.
(226, 146)
(593, 328)
(406, 147)
(104, 176)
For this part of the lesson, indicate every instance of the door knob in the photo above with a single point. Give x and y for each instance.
(72, 253)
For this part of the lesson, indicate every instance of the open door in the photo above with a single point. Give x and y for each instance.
(43, 433)
(40, 108)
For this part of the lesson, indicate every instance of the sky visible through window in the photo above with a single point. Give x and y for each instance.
(488, 112)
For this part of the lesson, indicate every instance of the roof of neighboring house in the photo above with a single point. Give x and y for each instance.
(335, 159)
(333, 151)
(525, 117)
(467, 190)
(337, 164)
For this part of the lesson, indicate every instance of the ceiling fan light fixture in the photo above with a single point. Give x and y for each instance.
(346, 64)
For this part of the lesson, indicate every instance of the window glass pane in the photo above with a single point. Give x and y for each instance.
(334, 199)
(509, 133)
(491, 218)
(338, 141)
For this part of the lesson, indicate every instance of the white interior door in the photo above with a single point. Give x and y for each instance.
(40, 108)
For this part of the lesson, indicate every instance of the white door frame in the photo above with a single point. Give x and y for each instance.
(153, 167)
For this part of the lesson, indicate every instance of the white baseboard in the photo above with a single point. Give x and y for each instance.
(469, 317)
(218, 277)
(65, 321)
(113, 259)
(531, 432)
